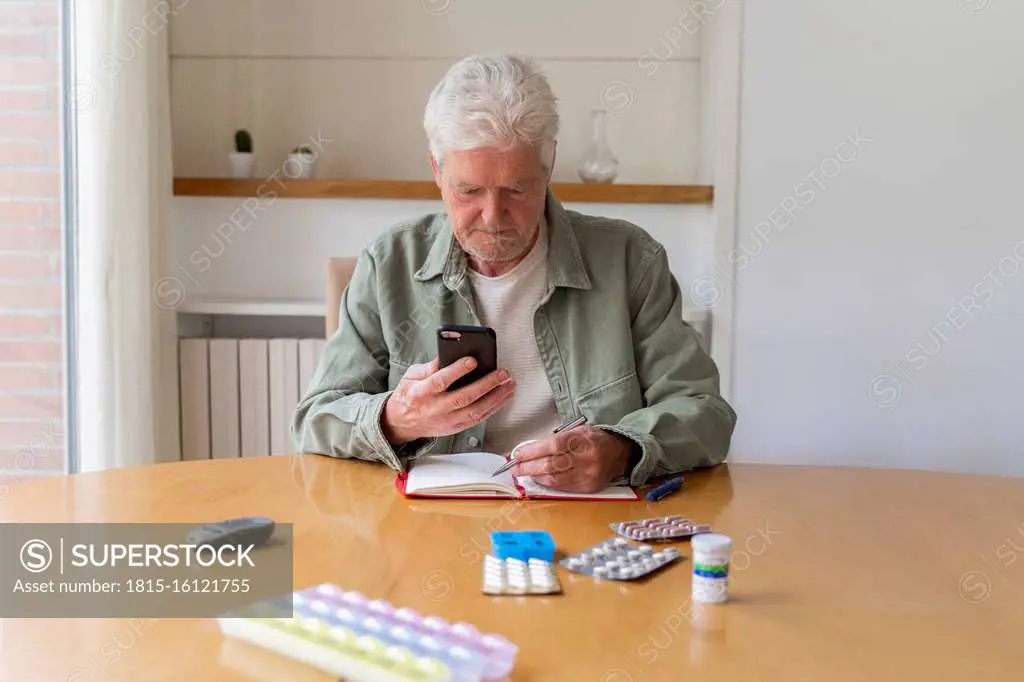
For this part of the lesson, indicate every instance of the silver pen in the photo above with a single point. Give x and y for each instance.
(582, 419)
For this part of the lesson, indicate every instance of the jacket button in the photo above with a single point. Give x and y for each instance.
(474, 441)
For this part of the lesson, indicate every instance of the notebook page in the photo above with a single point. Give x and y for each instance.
(614, 492)
(464, 469)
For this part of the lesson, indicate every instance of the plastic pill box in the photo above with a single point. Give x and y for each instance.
(348, 635)
(619, 559)
(523, 545)
(659, 528)
(512, 576)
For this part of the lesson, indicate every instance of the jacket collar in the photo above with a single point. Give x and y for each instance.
(565, 261)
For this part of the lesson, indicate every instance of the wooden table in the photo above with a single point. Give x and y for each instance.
(839, 574)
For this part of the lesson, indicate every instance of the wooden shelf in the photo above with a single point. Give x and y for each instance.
(416, 189)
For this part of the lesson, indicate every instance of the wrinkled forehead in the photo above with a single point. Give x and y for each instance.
(519, 166)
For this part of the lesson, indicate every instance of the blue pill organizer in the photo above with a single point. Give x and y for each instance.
(523, 545)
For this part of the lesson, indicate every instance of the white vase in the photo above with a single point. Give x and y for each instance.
(300, 166)
(242, 165)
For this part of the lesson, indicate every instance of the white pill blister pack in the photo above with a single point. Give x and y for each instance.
(619, 559)
(515, 576)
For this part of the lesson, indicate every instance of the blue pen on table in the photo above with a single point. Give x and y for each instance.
(664, 489)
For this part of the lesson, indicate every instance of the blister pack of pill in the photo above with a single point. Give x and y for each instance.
(659, 528)
(514, 576)
(348, 635)
(618, 559)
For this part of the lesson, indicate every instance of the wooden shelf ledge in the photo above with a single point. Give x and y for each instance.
(424, 189)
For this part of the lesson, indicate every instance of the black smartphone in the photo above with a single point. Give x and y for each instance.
(456, 341)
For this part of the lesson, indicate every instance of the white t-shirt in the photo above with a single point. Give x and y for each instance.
(506, 304)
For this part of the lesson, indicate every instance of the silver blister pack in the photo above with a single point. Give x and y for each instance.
(618, 559)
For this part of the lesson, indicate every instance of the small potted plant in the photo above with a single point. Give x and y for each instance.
(243, 161)
(301, 162)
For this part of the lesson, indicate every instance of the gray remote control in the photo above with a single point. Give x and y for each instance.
(246, 530)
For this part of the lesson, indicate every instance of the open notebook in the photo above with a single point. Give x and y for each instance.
(468, 474)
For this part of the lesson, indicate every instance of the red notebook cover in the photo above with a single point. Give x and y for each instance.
(400, 480)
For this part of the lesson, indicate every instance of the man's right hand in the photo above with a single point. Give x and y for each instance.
(421, 406)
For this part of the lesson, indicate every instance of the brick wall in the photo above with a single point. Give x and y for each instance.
(31, 349)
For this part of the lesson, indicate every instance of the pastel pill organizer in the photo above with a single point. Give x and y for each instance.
(618, 559)
(514, 576)
(659, 528)
(348, 635)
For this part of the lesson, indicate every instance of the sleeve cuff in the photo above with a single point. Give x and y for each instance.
(415, 448)
(396, 459)
(642, 459)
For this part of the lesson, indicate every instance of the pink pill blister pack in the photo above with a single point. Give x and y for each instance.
(659, 528)
(348, 635)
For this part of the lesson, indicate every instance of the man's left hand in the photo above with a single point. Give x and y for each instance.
(581, 460)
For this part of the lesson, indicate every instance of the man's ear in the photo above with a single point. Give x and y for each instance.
(436, 170)
(551, 166)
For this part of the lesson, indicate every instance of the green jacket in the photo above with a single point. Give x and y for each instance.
(609, 329)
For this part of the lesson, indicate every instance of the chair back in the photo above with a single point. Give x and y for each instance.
(339, 274)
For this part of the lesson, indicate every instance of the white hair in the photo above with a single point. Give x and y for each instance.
(492, 101)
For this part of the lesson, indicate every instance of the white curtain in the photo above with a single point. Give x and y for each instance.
(126, 356)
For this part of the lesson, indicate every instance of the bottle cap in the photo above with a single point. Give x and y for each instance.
(710, 542)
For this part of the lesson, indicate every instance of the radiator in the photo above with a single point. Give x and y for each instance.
(237, 396)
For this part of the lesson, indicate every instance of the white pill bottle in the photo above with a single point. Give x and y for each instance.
(710, 567)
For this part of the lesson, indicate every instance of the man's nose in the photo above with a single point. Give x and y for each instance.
(492, 209)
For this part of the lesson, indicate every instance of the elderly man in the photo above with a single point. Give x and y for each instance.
(587, 314)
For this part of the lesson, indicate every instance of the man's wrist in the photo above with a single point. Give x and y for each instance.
(636, 453)
(630, 457)
(393, 435)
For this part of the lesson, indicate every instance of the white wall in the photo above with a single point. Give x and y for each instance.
(920, 217)
(359, 73)
(280, 252)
